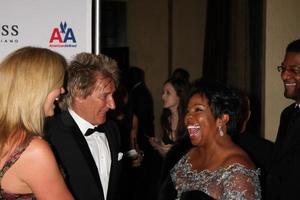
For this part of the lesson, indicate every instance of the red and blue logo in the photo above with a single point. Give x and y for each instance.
(62, 36)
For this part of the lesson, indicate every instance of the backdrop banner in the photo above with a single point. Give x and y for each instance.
(63, 26)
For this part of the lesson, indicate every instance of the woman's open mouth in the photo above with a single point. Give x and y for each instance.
(194, 130)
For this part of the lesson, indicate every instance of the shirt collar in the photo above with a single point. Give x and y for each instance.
(82, 123)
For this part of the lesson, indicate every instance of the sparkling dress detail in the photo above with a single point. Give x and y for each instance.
(11, 160)
(234, 182)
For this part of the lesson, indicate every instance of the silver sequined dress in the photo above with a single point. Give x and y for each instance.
(234, 182)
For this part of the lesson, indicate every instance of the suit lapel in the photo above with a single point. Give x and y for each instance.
(114, 156)
(111, 142)
(83, 146)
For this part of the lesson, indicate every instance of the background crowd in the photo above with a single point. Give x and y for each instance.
(78, 130)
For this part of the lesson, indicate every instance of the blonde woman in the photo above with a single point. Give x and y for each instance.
(31, 80)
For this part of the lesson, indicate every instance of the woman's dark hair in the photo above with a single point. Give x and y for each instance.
(221, 100)
(182, 88)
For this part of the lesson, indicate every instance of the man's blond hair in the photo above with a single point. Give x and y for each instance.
(82, 75)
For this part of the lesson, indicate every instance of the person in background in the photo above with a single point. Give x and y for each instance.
(141, 102)
(245, 110)
(281, 160)
(85, 143)
(180, 73)
(207, 161)
(125, 119)
(127, 123)
(174, 97)
(31, 80)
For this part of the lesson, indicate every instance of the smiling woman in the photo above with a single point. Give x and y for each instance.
(212, 164)
(31, 80)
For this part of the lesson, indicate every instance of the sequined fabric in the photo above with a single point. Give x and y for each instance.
(233, 182)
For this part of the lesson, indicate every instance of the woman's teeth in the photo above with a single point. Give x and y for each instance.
(193, 130)
(193, 126)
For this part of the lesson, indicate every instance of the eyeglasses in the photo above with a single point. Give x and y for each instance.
(290, 69)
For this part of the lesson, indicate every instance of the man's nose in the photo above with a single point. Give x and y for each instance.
(111, 104)
(286, 74)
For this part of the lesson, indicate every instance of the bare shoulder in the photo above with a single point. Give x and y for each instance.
(36, 159)
(37, 168)
(38, 146)
(238, 156)
(38, 152)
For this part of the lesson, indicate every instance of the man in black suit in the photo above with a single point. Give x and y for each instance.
(85, 143)
(141, 103)
(281, 160)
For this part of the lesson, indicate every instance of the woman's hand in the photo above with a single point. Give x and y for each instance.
(160, 146)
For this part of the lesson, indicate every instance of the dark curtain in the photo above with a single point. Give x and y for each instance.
(233, 49)
(216, 40)
(256, 72)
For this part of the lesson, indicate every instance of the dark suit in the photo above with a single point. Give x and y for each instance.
(281, 160)
(74, 156)
(141, 103)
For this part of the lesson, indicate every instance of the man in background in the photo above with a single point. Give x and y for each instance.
(281, 160)
(141, 103)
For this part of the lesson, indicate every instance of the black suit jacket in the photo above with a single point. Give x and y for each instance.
(74, 156)
(280, 160)
(141, 103)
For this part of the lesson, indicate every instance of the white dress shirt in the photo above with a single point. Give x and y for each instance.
(99, 148)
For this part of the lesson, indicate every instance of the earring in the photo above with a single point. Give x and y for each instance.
(220, 131)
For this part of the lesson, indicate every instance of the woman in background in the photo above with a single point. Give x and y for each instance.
(31, 80)
(174, 97)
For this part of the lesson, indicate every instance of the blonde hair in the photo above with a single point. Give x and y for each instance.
(82, 73)
(27, 76)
